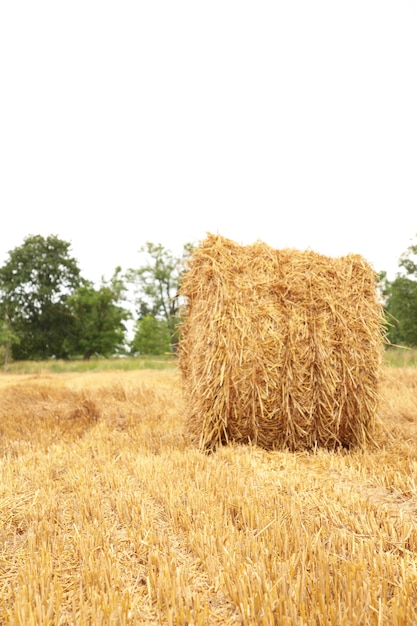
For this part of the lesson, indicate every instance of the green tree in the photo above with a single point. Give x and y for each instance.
(156, 286)
(152, 336)
(408, 260)
(7, 338)
(401, 301)
(35, 283)
(98, 319)
(402, 311)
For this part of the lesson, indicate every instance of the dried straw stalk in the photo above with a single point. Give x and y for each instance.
(280, 348)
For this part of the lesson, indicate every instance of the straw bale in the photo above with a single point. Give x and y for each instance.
(279, 348)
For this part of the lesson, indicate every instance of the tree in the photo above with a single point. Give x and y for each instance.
(402, 311)
(152, 336)
(7, 338)
(98, 320)
(401, 301)
(156, 285)
(35, 283)
(408, 260)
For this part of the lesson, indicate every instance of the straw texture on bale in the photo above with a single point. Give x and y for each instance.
(280, 348)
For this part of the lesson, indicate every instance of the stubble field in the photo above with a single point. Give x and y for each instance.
(109, 516)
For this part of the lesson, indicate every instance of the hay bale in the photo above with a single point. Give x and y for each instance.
(280, 348)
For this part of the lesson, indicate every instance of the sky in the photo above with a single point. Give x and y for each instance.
(289, 121)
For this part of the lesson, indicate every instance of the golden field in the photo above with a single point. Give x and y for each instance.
(108, 515)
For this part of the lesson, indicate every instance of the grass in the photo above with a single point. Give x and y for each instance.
(95, 364)
(110, 516)
(401, 356)
(395, 357)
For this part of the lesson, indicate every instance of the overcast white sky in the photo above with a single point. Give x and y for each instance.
(293, 122)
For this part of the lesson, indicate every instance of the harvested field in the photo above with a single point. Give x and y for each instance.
(108, 515)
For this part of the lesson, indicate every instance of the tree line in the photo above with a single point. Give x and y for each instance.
(400, 300)
(49, 310)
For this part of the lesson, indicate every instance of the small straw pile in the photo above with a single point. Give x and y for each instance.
(279, 348)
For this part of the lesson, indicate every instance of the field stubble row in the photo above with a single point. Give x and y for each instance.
(109, 516)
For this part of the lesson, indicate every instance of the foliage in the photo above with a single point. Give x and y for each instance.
(35, 283)
(152, 336)
(98, 321)
(401, 301)
(156, 285)
(7, 338)
(402, 311)
(47, 310)
(408, 260)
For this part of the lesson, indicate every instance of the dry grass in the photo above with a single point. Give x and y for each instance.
(109, 516)
(281, 348)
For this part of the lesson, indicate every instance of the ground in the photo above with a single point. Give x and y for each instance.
(110, 516)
